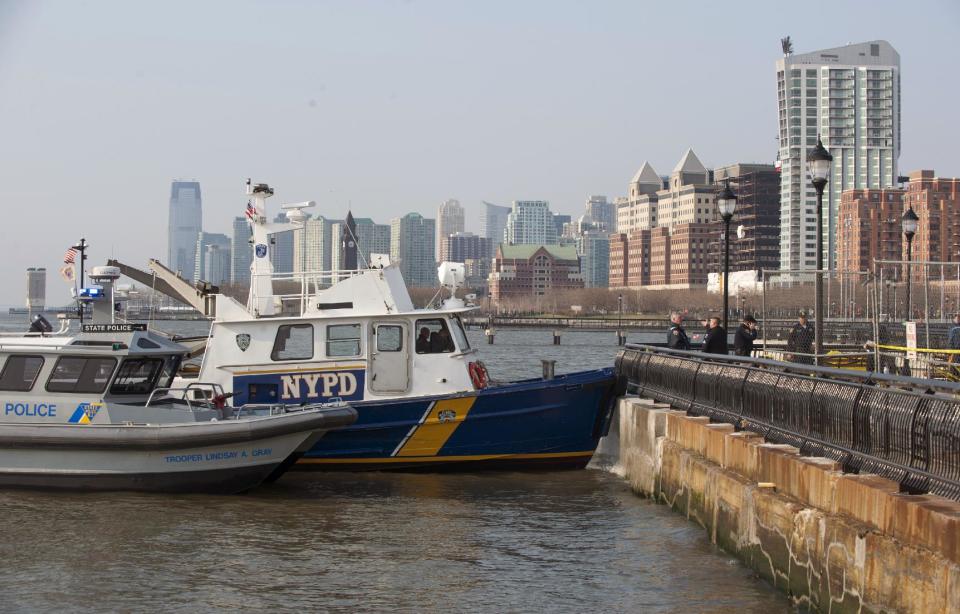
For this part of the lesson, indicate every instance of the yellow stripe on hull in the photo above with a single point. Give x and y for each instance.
(430, 435)
(434, 459)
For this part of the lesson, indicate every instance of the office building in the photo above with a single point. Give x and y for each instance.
(870, 228)
(493, 222)
(313, 246)
(216, 263)
(372, 238)
(755, 227)
(530, 222)
(185, 222)
(936, 201)
(560, 222)
(412, 248)
(521, 271)
(666, 227)
(281, 247)
(639, 208)
(241, 252)
(202, 241)
(851, 96)
(36, 289)
(450, 220)
(593, 247)
(464, 246)
(602, 213)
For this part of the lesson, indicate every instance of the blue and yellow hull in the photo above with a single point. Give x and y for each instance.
(523, 425)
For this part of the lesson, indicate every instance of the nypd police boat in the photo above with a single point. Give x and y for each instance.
(94, 411)
(423, 398)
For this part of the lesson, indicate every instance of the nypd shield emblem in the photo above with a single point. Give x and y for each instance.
(261, 250)
(243, 341)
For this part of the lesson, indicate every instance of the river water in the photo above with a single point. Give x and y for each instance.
(573, 541)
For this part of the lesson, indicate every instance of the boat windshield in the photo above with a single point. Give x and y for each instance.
(137, 375)
(460, 335)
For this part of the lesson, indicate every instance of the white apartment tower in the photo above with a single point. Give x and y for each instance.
(851, 96)
(450, 220)
(530, 223)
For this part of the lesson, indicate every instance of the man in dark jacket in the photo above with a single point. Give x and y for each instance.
(800, 341)
(677, 337)
(715, 341)
(745, 336)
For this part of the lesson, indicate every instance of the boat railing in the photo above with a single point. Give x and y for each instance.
(300, 287)
(209, 391)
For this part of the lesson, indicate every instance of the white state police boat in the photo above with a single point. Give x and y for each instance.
(94, 411)
(422, 396)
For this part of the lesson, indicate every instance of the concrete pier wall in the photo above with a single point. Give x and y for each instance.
(834, 542)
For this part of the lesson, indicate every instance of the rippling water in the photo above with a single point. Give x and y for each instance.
(562, 542)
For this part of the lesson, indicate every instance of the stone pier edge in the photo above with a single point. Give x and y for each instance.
(832, 541)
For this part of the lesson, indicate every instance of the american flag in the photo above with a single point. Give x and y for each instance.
(251, 211)
(71, 256)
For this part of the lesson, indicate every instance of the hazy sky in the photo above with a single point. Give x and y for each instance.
(397, 106)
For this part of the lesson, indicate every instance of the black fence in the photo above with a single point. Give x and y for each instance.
(905, 429)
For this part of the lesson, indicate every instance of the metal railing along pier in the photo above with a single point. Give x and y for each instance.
(904, 429)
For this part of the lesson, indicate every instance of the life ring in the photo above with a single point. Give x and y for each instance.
(478, 374)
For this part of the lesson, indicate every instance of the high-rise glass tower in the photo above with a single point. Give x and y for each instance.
(205, 240)
(851, 96)
(494, 221)
(411, 246)
(241, 252)
(184, 224)
(450, 220)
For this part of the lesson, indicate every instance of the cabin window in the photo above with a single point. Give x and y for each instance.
(460, 335)
(170, 367)
(293, 342)
(433, 337)
(20, 372)
(389, 338)
(343, 340)
(137, 376)
(79, 374)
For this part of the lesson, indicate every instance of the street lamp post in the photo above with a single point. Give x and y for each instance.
(727, 204)
(910, 222)
(818, 166)
(621, 337)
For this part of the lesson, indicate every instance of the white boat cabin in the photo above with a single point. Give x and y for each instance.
(353, 335)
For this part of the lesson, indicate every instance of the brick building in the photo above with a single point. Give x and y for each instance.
(870, 228)
(936, 200)
(619, 257)
(757, 187)
(521, 271)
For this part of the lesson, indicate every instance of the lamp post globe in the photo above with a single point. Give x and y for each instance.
(910, 222)
(727, 205)
(819, 162)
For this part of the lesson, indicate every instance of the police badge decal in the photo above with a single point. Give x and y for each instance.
(243, 341)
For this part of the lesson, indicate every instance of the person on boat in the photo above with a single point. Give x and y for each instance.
(423, 341)
(745, 336)
(441, 341)
(677, 337)
(715, 341)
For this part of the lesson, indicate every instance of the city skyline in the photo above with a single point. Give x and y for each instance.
(372, 129)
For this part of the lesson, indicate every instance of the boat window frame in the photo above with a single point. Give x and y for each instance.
(91, 390)
(150, 384)
(459, 327)
(444, 326)
(358, 339)
(276, 340)
(36, 375)
(399, 327)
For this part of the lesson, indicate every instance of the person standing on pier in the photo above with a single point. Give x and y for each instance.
(800, 341)
(715, 341)
(677, 337)
(745, 336)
